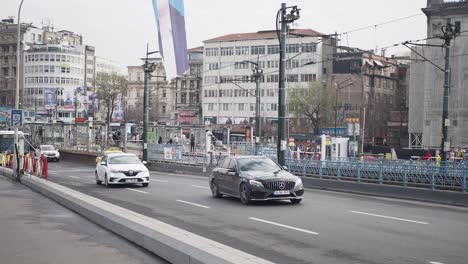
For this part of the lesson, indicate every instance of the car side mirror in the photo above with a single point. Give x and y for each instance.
(285, 167)
(231, 170)
(144, 162)
(103, 163)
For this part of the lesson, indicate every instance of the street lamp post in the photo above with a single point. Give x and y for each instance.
(336, 98)
(18, 54)
(148, 68)
(257, 74)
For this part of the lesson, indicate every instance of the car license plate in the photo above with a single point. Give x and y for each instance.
(132, 180)
(281, 192)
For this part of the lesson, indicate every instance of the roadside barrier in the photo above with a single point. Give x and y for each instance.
(37, 166)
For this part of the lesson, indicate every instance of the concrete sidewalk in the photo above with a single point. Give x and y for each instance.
(34, 229)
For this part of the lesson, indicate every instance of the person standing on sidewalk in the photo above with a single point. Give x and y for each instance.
(192, 143)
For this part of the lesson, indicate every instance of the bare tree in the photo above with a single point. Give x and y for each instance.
(109, 86)
(313, 103)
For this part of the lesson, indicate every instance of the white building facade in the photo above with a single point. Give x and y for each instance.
(57, 68)
(228, 88)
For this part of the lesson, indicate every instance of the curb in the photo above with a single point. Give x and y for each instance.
(170, 243)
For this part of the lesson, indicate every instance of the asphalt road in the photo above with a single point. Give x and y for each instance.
(326, 228)
(36, 230)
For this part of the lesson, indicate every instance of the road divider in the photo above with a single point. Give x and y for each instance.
(390, 217)
(169, 242)
(285, 226)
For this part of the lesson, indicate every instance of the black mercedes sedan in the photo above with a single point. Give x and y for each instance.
(254, 178)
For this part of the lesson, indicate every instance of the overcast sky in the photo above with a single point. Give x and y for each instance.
(120, 29)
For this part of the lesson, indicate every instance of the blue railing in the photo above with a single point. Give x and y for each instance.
(450, 175)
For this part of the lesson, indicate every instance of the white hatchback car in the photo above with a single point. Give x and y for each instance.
(122, 168)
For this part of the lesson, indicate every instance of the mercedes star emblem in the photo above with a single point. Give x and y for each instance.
(282, 185)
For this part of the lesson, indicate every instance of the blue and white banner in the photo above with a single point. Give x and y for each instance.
(170, 21)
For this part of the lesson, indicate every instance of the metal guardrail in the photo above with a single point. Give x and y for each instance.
(452, 176)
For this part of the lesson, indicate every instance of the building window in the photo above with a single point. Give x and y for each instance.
(292, 64)
(309, 47)
(273, 49)
(274, 78)
(164, 93)
(183, 98)
(273, 64)
(241, 65)
(257, 50)
(292, 48)
(242, 50)
(241, 107)
(211, 52)
(308, 77)
(212, 66)
(293, 78)
(227, 51)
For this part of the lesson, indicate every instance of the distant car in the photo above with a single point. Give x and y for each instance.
(253, 178)
(108, 151)
(49, 151)
(122, 168)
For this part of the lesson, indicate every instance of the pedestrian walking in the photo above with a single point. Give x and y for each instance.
(160, 140)
(192, 143)
(170, 140)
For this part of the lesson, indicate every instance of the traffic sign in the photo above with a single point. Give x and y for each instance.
(16, 118)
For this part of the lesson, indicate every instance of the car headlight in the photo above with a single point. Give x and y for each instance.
(298, 184)
(256, 183)
(114, 171)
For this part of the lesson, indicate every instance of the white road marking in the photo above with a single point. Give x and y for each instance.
(285, 226)
(158, 180)
(136, 190)
(74, 177)
(198, 186)
(60, 171)
(390, 217)
(199, 205)
(435, 262)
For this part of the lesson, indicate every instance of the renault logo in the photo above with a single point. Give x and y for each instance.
(130, 173)
(282, 185)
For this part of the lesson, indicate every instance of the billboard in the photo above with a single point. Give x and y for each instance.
(4, 113)
(50, 98)
(118, 114)
(170, 22)
(94, 98)
(68, 98)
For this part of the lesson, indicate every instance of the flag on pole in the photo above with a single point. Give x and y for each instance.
(170, 20)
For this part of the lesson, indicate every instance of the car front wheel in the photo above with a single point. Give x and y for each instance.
(244, 194)
(214, 190)
(106, 181)
(98, 182)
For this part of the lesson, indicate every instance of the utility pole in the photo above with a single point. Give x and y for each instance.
(257, 75)
(449, 34)
(284, 20)
(148, 68)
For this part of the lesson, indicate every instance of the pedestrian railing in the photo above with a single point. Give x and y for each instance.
(441, 175)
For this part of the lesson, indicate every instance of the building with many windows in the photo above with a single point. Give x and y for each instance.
(188, 88)
(8, 40)
(427, 81)
(53, 69)
(162, 95)
(228, 87)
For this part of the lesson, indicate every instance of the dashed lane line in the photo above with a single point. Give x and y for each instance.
(136, 190)
(198, 186)
(390, 217)
(194, 204)
(285, 226)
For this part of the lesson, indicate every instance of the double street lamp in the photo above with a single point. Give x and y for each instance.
(257, 75)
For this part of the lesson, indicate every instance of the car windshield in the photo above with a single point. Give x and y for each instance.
(47, 148)
(258, 165)
(126, 159)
